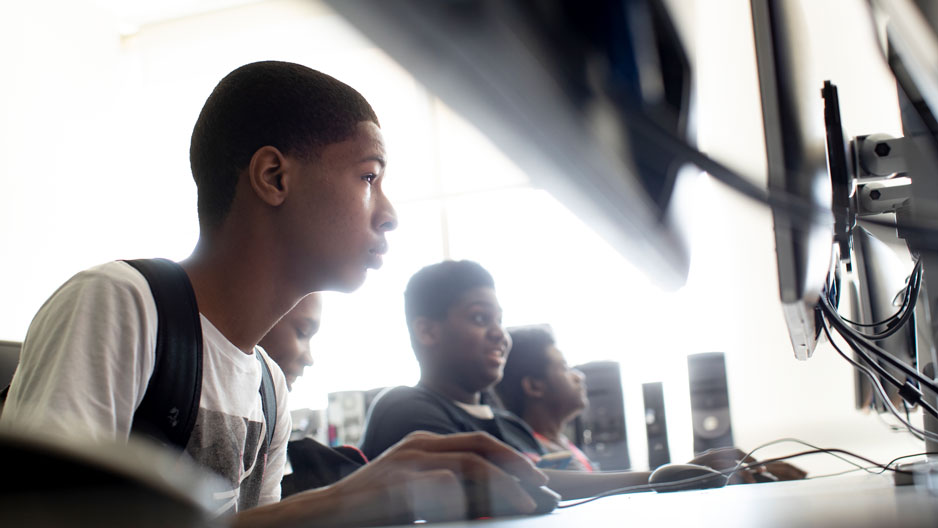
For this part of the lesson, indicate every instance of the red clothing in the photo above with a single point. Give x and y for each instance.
(579, 460)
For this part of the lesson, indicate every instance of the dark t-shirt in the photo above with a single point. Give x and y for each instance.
(402, 410)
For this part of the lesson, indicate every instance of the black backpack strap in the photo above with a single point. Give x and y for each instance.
(3, 397)
(171, 401)
(268, 397)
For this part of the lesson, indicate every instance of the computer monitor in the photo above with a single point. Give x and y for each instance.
(553, 84)
(793, 121)
(815, 254)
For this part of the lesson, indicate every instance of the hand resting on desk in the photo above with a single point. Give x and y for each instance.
(711, 470)
(728, 458)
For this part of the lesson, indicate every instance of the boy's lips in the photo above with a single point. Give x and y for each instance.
(496, 356)
(376, 255)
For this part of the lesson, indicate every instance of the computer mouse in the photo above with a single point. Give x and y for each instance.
(481, 504)
(546, 498)
(679, 477)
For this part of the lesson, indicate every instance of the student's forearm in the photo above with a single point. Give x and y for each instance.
(315, 505)
(324, 507)
(578, 484)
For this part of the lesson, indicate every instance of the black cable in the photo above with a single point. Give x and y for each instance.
(927, 407)
(728, 473)
(779, 441)
(829, 451)
(915, 285)
(872, 363)
(856, 337)
(909, 300)
(877, 385)
(905, 311)
(925, 453)
(874, 380)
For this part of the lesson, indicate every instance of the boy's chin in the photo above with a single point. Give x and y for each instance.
(350, 282)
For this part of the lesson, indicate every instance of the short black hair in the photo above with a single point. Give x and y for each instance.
(291, 107)
(433, 290)
(528, 358)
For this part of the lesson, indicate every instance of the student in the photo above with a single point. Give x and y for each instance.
(455, 324)
(287, 342)
(312, 465)
(457, 337)
(538, 386)
(289, 165)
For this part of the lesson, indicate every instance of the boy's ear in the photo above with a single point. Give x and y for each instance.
(533, 387)
(426, 331)
(269, 175)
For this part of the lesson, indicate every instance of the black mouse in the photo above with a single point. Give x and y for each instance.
(679, 477)
(546, 498)
(481, 503)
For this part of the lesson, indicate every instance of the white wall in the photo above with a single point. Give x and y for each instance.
(94, 137)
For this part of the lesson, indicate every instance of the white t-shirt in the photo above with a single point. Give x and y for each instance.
(86, 362)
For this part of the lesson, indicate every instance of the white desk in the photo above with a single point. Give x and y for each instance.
(849, 501)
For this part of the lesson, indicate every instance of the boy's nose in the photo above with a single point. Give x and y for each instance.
(306, 357)
(387, 216)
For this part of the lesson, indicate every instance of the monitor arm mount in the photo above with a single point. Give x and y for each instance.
(899, 175)
(880, 162)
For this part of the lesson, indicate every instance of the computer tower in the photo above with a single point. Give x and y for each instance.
(346, 415)
(600, 430)
(656, 427)
(709, 401)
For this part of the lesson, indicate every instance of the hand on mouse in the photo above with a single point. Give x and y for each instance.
(424, 476)
(785, 471)
(728, 458)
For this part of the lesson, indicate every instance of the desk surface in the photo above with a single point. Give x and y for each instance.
(852, 501)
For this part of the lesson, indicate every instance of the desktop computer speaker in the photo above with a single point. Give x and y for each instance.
(600, 430)
(709, 401)
(656, 427)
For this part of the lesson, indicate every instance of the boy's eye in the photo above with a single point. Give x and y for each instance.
(479, 319)
(303, 332)
(370, 177)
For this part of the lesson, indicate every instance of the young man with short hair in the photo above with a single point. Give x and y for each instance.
(456, 333)
(289, 165)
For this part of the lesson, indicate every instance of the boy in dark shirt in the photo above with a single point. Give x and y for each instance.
(456, 332)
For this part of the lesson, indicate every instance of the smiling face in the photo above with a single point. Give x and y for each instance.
(337, 215)
(471, 344)
(287, 342)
